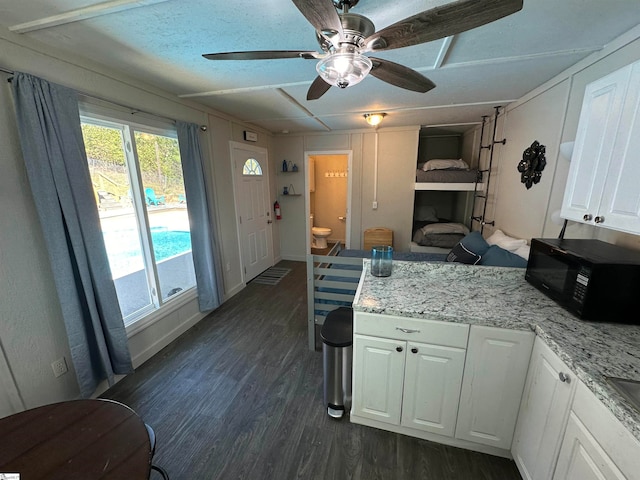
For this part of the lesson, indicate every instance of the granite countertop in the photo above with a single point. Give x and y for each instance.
(501, 297)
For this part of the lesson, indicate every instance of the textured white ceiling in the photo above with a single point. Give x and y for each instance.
(161, 42)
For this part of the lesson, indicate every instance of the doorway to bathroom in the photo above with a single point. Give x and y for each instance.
(328, 200)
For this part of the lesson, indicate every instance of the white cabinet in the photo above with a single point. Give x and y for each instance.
(543, 414)
(442, 381)
(378, 378)
(583, 458)
(406, 382)
(432, 380)
(601, 187)
(494, 376)
(596, 445)
(407, 372)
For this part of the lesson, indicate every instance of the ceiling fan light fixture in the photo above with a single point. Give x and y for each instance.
(344, 69)
(374, 119)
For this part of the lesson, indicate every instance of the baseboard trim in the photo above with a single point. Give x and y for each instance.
(145, 354)
(235, 290)
(295, 258)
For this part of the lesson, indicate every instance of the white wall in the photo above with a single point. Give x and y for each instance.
(520, 210)
(397, 151)
(550, 115)
(32, 333)
(396, 172)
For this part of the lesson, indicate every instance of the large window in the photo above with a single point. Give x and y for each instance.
(137, 180)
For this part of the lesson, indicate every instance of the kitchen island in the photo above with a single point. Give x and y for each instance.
(498, 299)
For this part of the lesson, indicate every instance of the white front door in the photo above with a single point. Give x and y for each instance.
(251, 174)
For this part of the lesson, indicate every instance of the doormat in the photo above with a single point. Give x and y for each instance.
(271, 276)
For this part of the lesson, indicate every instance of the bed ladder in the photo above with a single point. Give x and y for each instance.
(482, 195)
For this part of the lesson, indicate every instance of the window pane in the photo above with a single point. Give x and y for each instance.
(166, 203)
(251, 167)
(110, 178)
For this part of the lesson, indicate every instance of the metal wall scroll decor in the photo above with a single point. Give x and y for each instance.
(532, 164)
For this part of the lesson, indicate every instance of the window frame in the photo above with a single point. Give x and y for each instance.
(158, 307)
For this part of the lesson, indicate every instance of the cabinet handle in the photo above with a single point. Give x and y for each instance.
(599, 219)
(587, 217)
(407, 330)
(414, 350)
(398, 349)
(564, 377)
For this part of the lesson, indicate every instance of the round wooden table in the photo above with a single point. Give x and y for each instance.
(79, 439)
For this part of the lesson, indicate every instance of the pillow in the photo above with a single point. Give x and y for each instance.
(499, 257)
(505, 241)
(445, 228)
(461, 254)
(469, 250)
(444, 163)
(425, 213)
(523, 251)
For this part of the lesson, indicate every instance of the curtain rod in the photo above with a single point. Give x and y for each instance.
(133, 110)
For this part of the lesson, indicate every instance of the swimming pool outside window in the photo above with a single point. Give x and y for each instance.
(136, 173)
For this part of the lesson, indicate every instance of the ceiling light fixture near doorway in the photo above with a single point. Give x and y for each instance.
(374, 119)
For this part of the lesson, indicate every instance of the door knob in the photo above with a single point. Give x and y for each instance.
(599, 219)
(269, 221)
(414, 350)
(398, 349)
(587, 217)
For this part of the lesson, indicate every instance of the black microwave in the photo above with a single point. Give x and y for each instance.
(592, 279)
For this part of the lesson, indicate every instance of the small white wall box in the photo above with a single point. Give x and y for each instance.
(250, 136)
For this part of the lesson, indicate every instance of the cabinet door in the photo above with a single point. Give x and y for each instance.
(494, 375)
(597, 127)
(620, 207)
(543, 414)
(582, 458)
(378, 375)
(432, 381)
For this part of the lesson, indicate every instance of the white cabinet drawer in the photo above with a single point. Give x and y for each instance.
(411, 329)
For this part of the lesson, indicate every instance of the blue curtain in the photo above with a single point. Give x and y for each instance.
(53, 149)
(207, 267)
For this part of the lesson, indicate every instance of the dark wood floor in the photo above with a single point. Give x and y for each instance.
(322, 251)
(239, 396)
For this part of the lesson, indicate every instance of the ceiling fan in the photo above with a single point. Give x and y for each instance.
(345, 37)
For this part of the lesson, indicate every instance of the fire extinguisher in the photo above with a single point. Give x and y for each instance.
(276, 208)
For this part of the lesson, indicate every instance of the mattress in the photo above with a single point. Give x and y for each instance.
(447, 176)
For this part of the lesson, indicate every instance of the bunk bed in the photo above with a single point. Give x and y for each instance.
(446, 182)
(455, 177)
(434, 232)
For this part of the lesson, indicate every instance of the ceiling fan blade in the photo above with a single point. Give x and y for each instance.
(440, 22)
(261, 55)
(400, 76)
(322, 14)
(318, 88)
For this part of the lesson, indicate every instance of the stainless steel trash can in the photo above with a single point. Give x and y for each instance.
(337, 357)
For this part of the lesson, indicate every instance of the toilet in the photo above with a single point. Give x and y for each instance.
(319, 235)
